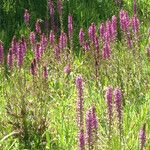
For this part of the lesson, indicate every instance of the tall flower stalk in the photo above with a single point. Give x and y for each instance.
(118, 105)
(80, 110)
(60, 9)
(70, 31)
(10, 59)
(51, 11)
(109, 102)
(91, 128)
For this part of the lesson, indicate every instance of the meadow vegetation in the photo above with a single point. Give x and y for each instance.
(75, 75)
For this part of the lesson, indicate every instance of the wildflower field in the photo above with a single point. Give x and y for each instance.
(75, 75)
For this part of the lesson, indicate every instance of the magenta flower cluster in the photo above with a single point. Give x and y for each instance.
(117, 94)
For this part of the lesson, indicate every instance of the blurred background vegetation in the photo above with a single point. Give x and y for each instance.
(84, 12)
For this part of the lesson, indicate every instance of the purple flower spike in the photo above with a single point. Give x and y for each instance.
(70, 29)
(23, 45)
(80, 101)
(63, 41)
(106, 51)
(134, 7)
(92, 32)
(43, 41)
(114, 27)
(124, 21)
(94, 119)
(20, 54)
(86, 46)
(38, 52)
(102, 30)
(45, 72)
(10, 59)
(57, 52)
(26, 17)
(38, 26)
(91, 127)
(32, 38)
(142, 137)
(81, 37)
(89, 130)
(52, 38)
(118, 103)
(52, 11)
(59, 7)
(108, 30)
(1, 52)
(109, 101)
(81, 140)
(135, 24)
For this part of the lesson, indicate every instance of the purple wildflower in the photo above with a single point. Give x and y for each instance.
(92, 31)
(80, 101)
(114, 27)
(81, 37)
(108, 30)
(43, 41)
(52, 38)
(102, 30)
(134, 7)
(52, 11)
(38, 26)
(70, 29)
(91, 127)
(57, 52)
(118, 104)
(10, 59)
(1, 52)
(109, 101)
(94, 119)
(124, 20)
(106, 50)
(81, 140)
(20, 54)
(38, 51)
(135, 24)
(142, 136)
(86, 46)
(89, 132)
(23, 44)
(59, 7)
(32, 38)
(96, 44)
(26, 17)
(62, 41)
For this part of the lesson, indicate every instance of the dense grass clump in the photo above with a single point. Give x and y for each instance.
(67, 86)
